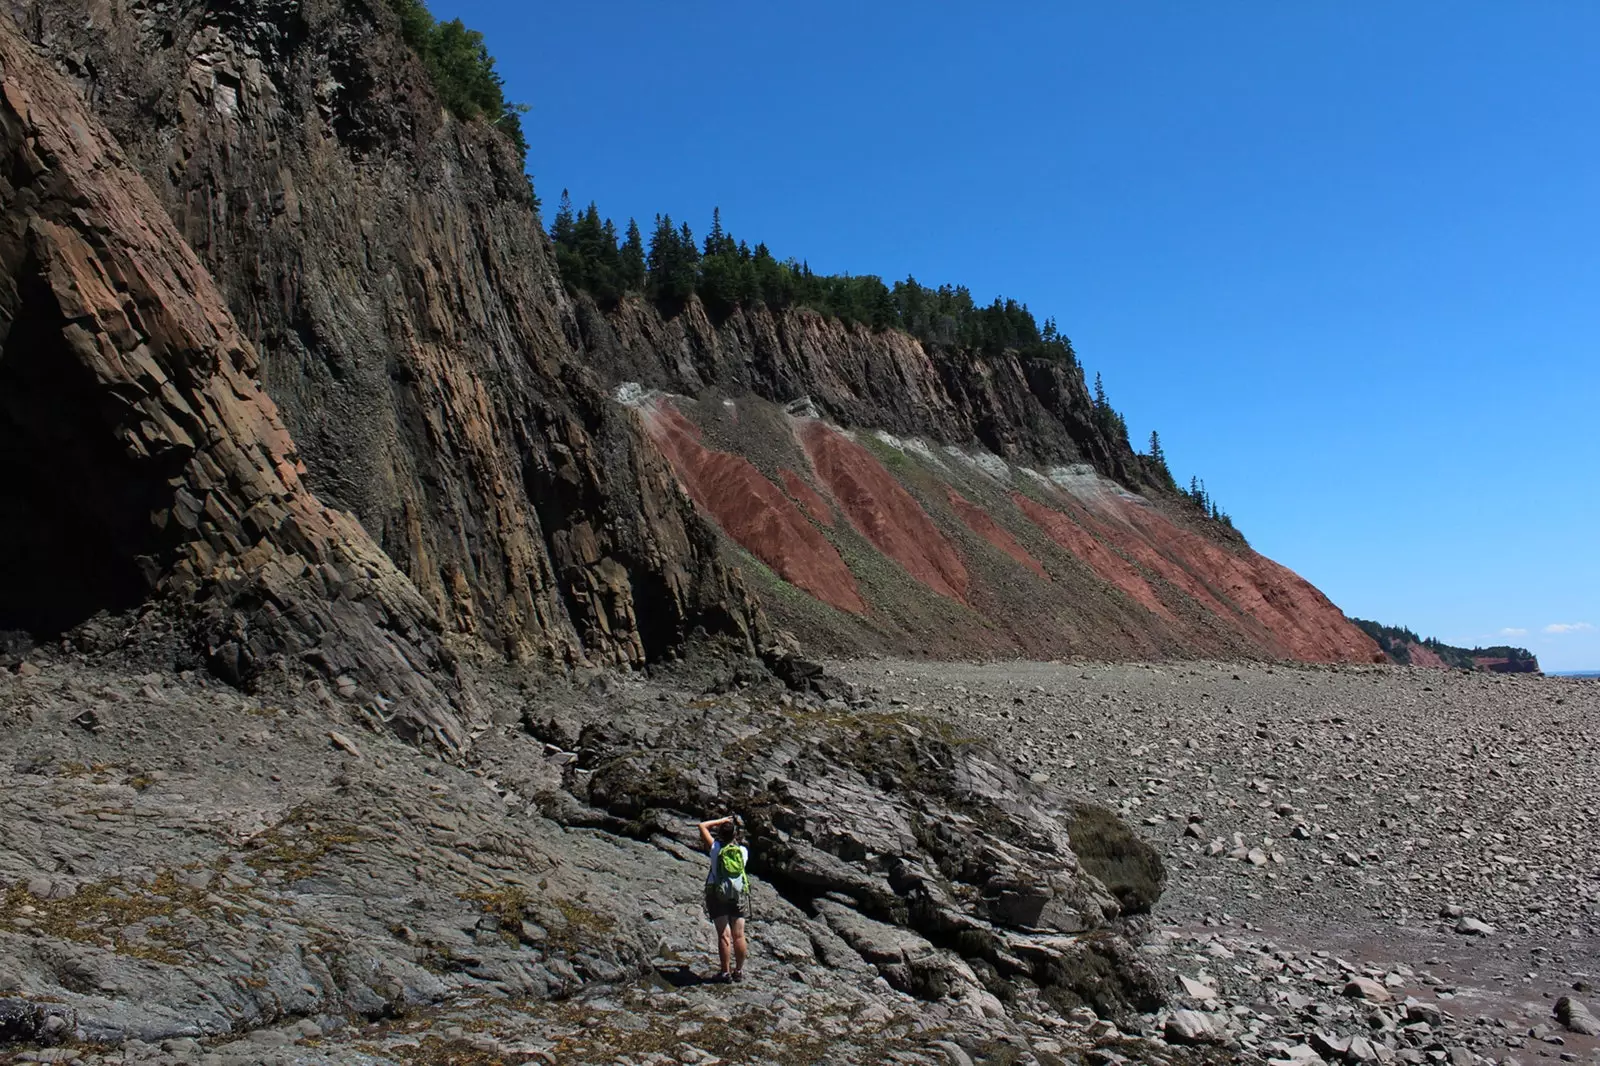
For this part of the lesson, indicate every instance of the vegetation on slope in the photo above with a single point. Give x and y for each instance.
(1397, 642)
(461, 68)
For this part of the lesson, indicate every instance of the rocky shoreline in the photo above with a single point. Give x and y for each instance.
(195, 875)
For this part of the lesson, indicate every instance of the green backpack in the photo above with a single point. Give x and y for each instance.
(732, 882)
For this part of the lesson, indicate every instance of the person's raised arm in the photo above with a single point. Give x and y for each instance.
(705, 831)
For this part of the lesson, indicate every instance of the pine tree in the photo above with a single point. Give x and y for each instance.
(563, 231)
(632, 259)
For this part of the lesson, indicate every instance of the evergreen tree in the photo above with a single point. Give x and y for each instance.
(632, 259)
(564, 230)
(673, 263)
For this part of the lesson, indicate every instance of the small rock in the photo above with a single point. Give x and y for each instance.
(1196, 989)
(1330, 1046)
(1418, 1011)
(344, 743)
(1191, 1027)
(1473, 927)
(1367, 989)
(1575, 1016)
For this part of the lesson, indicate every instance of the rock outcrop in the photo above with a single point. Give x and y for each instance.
(388, 265)
(148, 456)
(1027, 410)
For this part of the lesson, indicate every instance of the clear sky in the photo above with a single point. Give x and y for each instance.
(1344, 256)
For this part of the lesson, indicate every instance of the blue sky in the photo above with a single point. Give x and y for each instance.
(1344, 256)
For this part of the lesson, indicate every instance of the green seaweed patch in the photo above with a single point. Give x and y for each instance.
(580, 926)
(294, 848)
(1114, 854)
(103, 912)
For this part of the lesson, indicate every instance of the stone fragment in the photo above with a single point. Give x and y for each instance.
(1418, 1011)
(1328, 1045)
(1367, 989)
(1197, 989)
(1575, 1016)
(1474, 927)
(344, 743)
(1191, 1027)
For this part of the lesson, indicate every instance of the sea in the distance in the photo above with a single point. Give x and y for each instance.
(1575, 673)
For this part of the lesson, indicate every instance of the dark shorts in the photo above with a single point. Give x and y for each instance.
(717, 907)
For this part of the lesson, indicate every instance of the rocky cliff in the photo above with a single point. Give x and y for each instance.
(430, 377)
(1031, 410)
(387, 264)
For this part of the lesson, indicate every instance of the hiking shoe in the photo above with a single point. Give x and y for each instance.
(723, 978)
(737, 975)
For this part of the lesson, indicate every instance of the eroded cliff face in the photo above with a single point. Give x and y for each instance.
(1026, 410)
(954, 551)
(388, 264)
(432, 378)
(145, 454)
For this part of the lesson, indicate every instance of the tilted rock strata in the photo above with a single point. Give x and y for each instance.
(882, 510)
(1023, 409)
(752, 510)
(390, 267)
(153, 459)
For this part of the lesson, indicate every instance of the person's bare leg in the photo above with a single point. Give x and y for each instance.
(740, 948)
(724, 941)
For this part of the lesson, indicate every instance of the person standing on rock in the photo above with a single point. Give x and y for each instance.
(727, 893)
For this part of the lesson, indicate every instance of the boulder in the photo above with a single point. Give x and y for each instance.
(1192, 1027)
(1575, 1016)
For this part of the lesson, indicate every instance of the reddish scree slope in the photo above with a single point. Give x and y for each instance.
(978, 520)
(808, 497)
(1111, 567)
(1199, 590)
(882, 511)
(752, 511)
(1299, 621)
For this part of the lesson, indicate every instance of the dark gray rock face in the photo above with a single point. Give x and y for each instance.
(249, 876)
(388, 264)
(1024, 409)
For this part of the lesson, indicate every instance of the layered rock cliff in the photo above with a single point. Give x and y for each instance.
(1029, 410)
(148, 457)
(388, 264)
(429, 376)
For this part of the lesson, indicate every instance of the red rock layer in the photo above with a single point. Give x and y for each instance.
(1111, 567)
(979, 521)
(882, 511)
(808, 497)
(1268, 603)
(752, 511)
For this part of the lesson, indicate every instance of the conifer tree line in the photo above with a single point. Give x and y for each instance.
(727, 274)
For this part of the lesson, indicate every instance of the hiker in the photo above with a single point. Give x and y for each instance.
(727, 893)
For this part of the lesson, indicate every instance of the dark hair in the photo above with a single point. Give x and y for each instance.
(727, 832)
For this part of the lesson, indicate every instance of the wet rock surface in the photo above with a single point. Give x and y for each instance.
(222, 877)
